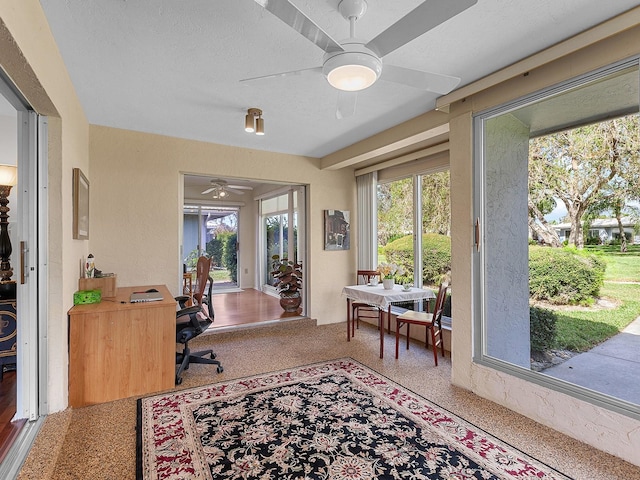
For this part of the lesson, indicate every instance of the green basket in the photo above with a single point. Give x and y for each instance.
(84, 297)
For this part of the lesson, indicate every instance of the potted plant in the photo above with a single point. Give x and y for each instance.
(388, 271)
(288, 282)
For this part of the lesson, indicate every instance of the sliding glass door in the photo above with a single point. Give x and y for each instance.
(281, 231)
(212, 231)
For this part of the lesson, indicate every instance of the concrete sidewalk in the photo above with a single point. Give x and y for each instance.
(613, 367)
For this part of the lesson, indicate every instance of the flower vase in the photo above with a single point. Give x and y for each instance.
(388, 283)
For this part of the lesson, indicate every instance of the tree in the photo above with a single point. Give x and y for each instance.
(436, 206)
(395, 207)
(581, 165)
(537, 223)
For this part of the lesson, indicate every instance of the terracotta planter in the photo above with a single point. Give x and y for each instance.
(291, 304)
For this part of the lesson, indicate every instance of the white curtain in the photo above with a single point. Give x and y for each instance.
(367, 224)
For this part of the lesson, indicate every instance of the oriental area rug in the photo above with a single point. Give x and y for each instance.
(335, 420)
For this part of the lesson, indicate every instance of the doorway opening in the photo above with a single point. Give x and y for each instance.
(241, 223)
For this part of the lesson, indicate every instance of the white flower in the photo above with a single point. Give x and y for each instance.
(388, 270)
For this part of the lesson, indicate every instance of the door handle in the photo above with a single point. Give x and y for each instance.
(477, 234)
(23, 249)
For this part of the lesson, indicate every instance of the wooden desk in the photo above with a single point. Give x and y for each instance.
(119, 349)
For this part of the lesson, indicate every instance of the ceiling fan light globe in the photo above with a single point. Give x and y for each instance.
(351, 78)
(352, 71)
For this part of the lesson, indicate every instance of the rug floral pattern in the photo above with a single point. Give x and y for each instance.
(335, 421)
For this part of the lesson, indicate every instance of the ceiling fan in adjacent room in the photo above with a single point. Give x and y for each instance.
(221, 188)
(353, 64)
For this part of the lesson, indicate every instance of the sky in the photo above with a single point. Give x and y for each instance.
(560, 211)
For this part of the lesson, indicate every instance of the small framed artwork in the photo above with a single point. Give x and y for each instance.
(336, 230)
(80, 205)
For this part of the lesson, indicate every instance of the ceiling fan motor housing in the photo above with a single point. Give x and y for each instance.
(353, 69)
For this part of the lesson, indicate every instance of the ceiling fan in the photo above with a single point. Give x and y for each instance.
(221, 188)
(354, 65)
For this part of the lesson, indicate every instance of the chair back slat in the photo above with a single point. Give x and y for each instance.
(365, 276)
(202, 275)
(440, 299)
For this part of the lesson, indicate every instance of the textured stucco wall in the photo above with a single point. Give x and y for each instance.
(506, 254)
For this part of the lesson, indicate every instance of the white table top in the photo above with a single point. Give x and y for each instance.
(378, 296)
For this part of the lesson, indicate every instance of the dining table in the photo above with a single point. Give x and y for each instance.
(377, 296)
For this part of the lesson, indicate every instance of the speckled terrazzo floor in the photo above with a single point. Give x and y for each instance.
(99, 442)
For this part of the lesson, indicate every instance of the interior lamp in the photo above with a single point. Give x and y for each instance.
(253, 121)
(352, 70)
(8, 178)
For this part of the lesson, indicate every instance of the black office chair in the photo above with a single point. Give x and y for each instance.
(200, 316)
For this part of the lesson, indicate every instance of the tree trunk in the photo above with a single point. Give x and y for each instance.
(541, 227)
(623, 237)
(575, 211)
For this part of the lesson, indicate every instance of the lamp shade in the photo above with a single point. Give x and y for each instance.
(8, 175)
(259, 126)
(352, 70)
(248, 123)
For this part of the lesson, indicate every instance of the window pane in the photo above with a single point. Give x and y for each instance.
(395, 226)
(573, 149)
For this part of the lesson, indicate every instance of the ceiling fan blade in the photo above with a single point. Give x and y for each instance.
(283, 74)
(208, 190)
(432, 82)
(421, 19)
(234, 190)
(346, 104)
(302, 24)
(240, 187)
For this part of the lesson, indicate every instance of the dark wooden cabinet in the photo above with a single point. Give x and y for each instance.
(8, 335)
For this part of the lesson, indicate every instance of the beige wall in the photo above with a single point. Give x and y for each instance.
(604, 429)
(135, 193)
(30, 57)
(136, 208)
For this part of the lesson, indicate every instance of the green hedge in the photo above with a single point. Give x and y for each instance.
(564, 276)
(542, 324)
(436, 257)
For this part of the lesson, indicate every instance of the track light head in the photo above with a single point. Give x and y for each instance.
(253, 121)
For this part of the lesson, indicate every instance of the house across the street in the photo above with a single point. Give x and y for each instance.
(606, 229)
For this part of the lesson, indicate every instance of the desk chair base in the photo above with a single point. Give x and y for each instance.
(187, 357)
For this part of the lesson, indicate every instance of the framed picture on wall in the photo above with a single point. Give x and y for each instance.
(336, 230)
(80, 205)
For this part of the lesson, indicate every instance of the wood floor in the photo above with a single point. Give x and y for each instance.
(236, 308)
(8, 430)
(248, 306)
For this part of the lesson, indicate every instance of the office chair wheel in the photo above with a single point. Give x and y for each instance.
(178, 380)
(220, 369)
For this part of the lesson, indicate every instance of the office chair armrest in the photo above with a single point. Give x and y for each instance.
(182, 300)
(192, 313)
(188, 311)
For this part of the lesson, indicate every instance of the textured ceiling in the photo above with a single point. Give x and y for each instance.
(173, 67)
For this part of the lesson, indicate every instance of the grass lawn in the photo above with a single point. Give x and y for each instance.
(582, 330)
